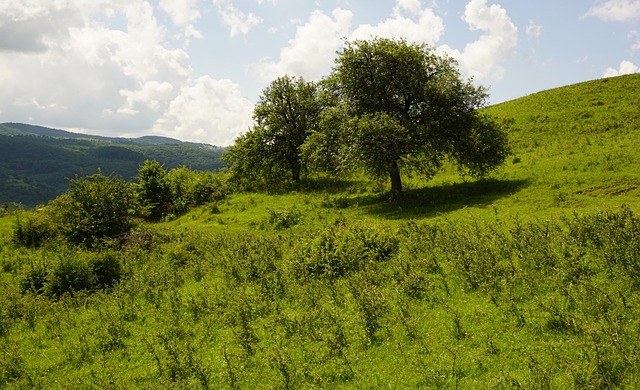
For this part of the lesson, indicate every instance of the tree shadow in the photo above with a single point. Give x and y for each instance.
(330, 185)
(431, 201)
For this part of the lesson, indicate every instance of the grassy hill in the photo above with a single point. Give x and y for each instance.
(35, 160)
(529, 279)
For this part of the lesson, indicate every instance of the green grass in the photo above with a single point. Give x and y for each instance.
(527, 279)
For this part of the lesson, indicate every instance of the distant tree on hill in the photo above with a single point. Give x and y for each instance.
(402, 107)
(286, 113)
(153, 189)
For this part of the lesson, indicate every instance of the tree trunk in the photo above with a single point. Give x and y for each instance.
(295, 171)
(396, 181)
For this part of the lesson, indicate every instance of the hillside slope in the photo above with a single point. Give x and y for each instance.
(35, 160)
(576, 146)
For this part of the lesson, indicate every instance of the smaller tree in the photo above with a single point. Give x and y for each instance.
(153, 189)
(96, 207)
(286, 113)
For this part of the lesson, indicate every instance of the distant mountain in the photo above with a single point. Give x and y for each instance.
(35, 160)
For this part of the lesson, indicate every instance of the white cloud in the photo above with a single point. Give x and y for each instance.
(237, 21)
(26, 26)
(483, 57)
(626, 67)
(150, 94)
(616, 10)
(408, 20)
(207, 110)
(107, 67)
(533, 30)
(183, 13)
(311, 52)
(414, 6)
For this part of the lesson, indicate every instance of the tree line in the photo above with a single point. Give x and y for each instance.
(388, 108)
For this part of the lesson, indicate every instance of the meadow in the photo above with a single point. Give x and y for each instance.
(527, 279)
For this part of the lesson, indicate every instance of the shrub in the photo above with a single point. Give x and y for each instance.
(338, 251)
(96, 208)
(106, 270)
(32, 230)
(153, 189)
(283, 219)
(69, 275)
(34, 280)
(72, 273)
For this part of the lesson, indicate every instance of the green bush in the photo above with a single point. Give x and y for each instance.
(34, 280)
(106, 270)
(68, 276)
(173, 193)
(338, 251)
(283, 219)
(96, 208)
(71, 273)
(32, 230)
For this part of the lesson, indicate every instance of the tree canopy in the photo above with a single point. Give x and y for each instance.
(286, 113)
(388, 107)
(402, 107)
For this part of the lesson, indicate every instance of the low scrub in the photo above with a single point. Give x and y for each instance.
(72, 273)
(340, 250)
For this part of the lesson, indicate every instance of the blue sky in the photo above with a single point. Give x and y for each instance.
(193, 69)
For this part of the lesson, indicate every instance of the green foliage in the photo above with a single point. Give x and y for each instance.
(153, 189)
(406, 108)
(33, 229)
(175, 192)
(106, 269)
(189, 188)
(338, 251)
(283, 219)
(285, 115)
(484, 284)
(95, 208)
(68, 276)
(70, 273)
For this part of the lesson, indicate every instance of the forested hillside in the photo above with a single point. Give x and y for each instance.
(35, 161)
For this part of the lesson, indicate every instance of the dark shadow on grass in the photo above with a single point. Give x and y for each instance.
(432, 201)
(329, 185)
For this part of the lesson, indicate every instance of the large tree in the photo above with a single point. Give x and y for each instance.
(286, 113)
(402, 107)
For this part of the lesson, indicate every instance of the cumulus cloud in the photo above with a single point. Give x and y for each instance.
(207, 109)
(110, 67)
(626, 67)
(616, 10)
(183, 13)
(237, 21)
(408, 20)
(28, 27)
(483, 57)
(312, 51)
(533, 30)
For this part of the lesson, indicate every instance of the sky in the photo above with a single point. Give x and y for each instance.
(194, 69)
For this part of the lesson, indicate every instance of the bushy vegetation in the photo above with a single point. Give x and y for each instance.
(448, 303)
